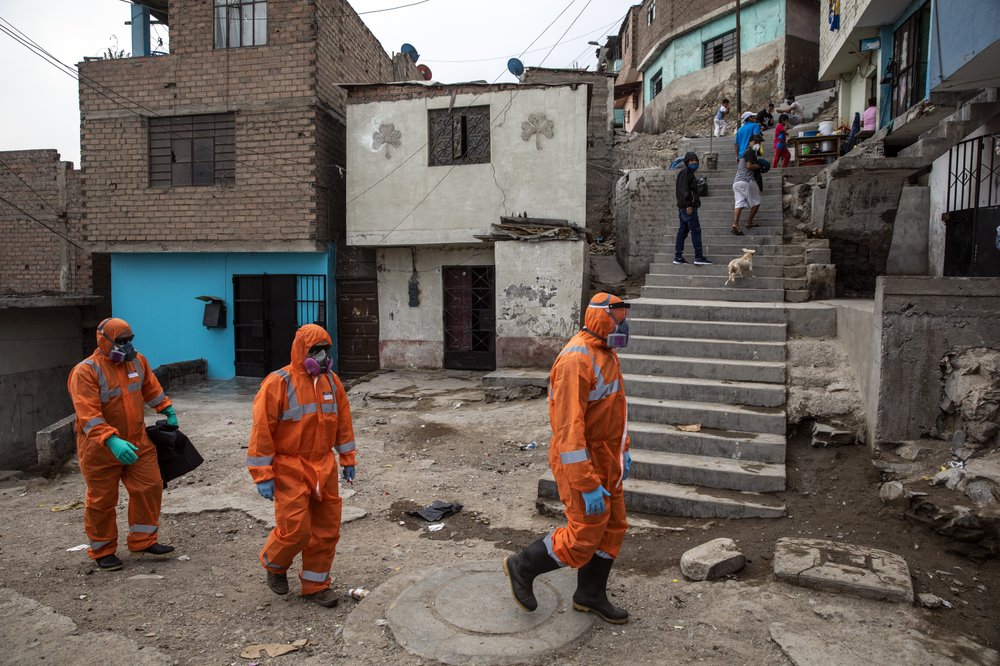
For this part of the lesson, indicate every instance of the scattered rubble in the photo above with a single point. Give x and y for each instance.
(712, 560)
(971, 397)
(828, 435)
(928, 600)
(974, 536)
(893, 493)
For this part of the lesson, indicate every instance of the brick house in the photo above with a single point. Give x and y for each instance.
(218, 171)
(679, 57)
(433, 168)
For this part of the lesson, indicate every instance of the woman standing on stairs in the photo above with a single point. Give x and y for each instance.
(688, 203)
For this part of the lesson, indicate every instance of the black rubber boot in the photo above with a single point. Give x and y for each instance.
(592, 591)
(523, 568)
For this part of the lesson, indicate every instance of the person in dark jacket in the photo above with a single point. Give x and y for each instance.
(688, 203)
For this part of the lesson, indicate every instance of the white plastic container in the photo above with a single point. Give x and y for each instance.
(826, 146)
(827, 127)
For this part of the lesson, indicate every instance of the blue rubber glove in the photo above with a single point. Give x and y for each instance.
(171, 416)
(126, 452)
(628, 466)
(266, 489)
(594, 500)
(348, 472)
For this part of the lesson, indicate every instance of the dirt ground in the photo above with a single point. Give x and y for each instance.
(424, 436)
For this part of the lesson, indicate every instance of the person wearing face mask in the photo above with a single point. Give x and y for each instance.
(589, 459)
(745, 188)
(108, 390)
(688, 203)
(301, 427)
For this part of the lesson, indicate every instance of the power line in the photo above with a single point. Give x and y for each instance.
(35, 219)
(58, 213)
(389, 9)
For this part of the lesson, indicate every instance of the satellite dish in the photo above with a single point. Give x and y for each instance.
(515, 67)
(425, 72)
(410, 51)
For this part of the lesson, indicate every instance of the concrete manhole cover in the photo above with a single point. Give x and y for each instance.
(465, 615)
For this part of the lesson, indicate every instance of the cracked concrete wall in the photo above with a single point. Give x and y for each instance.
(413, 337)
(921, 320)
(539, 292)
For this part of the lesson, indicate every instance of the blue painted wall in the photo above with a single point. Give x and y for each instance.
(960, 33)
(760, 23)
(156, 294)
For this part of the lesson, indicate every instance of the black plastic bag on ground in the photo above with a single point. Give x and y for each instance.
(436, 510)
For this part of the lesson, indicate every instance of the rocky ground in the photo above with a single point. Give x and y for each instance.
(425, 436)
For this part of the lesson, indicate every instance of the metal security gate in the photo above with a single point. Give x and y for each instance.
(357, 326)
(469, 318)
(972, 236)
(267, 311)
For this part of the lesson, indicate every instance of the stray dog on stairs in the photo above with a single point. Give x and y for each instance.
(740, 264)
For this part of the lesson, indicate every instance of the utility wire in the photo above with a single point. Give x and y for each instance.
(58, 213)
(389, 9)
(35, 219)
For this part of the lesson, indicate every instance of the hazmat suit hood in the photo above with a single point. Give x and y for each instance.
(305, 338)
(598, 320)
(110, 330)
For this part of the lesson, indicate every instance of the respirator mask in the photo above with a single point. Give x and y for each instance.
(317, 361)
(121, 348)
(619, 335)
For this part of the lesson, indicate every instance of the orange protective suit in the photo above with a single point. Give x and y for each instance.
(108, 398)
(589, 438)
(299, 422)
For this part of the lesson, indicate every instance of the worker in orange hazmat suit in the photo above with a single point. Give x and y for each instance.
(589, 459)
(108, 390)
(301, 419)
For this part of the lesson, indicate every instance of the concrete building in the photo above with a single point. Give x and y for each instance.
(214, 178)
(433, 169)
(685, 55)
(629, 100)
(48, 310)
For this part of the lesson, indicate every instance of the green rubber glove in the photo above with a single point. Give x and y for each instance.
(126, 452)
(171, 416)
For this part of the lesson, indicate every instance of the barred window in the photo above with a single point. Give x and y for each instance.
(192, 150)
(721, 48)
(656, 84)
(459, 136)
(240, 23)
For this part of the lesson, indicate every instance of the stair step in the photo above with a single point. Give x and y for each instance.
(757, 282)
(770, 372)
(669, 499)
(754, 394)
(665, 308)
(769, 420)
(718, 443)
(717, 256)
(719, 293)
(720, 330)
(709, 472)
(721, 270)
(731, 350)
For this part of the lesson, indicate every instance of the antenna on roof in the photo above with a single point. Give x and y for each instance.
(515, 67)
(410, 51)
(425, 72)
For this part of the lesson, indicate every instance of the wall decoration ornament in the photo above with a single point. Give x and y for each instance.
(537, 125)
(386, 135)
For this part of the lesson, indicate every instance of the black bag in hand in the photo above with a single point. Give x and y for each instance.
(175, 453)
(701, 182)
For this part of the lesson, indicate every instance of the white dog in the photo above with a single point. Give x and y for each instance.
(740, 264)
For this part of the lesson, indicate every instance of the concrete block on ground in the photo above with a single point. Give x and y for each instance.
(182, 373)
(55, 445)
(821, 281)
(507, 384)
(827, 435)
(712, 560)
(843, 567)
(910, 233)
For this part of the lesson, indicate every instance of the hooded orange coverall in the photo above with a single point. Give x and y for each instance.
(299, 422)
(589, 439)
(108, 398)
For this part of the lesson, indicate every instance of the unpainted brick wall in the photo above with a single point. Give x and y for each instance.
(34, 259)
(289, 139)
(643, 200)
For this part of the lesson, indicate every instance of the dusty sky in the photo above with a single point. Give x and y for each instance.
(459, 40)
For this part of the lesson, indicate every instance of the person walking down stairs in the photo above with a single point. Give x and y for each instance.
(688, 202)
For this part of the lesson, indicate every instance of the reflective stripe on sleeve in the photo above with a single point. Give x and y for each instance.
(157, 401)
(315, 576)
(578, 456)
(89, 425)
(143, 529)
(259, 461)
(345, 448)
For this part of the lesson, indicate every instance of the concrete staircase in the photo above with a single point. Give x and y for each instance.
(709, 354)
(944, 135)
